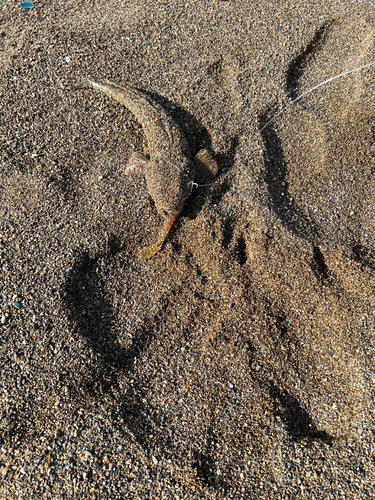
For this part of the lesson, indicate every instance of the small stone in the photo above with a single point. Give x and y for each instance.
(68, 59)
(27, 5)
(155, 460)
(3, 319)
(88, 455)
(17, 305)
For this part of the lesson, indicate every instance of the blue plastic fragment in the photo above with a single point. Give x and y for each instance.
(27, 4)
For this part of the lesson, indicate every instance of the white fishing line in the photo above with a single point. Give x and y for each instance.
(345, 73)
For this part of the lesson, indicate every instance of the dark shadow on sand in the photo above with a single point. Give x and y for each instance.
(298, 422)
(276, 179)
(298, 64)
(91, 314)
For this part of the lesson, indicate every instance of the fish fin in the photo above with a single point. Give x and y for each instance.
(137, 164)
(206, 167)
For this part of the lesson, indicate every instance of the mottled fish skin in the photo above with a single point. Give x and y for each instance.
(169, 173)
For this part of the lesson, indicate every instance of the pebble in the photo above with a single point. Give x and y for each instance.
(17, 305)
(88, 455)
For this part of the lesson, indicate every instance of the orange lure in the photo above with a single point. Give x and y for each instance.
(149, 252)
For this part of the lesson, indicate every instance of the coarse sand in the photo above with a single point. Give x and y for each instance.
(238, 363)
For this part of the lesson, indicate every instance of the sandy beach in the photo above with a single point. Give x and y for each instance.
(238, 362)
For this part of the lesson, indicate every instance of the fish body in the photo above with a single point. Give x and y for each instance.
(169, 170)
(170, 167)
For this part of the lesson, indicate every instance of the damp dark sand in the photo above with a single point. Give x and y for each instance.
(239, 361)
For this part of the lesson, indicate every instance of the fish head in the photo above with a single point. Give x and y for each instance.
(169, 186)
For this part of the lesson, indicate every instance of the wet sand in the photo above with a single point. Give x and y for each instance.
(239, 361)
